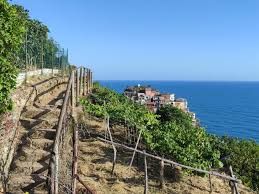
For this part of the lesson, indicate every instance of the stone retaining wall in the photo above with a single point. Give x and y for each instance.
(46, 72)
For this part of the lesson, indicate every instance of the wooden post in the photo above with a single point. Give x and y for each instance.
(137, 159)
(84, 81)
(54, 161)
(56, 167)
(80, 84)
(113, 146)
(77, 86)
(135, 133)
(75, 155)
(162, 180)
(52, 62)
(26, 59)
(106, 127)
(233, 184)
(129, 133)
(91, 81)
(42, 57)
(146, 176)
(210, 183)
(73, 92)
(135, 148)
(125, 130)
(87, 81)
(90, 75)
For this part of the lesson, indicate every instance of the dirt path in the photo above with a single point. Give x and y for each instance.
(37, 130)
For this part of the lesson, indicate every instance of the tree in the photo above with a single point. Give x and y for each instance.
(170, 113)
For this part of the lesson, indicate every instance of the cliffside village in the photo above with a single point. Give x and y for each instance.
(153, 99)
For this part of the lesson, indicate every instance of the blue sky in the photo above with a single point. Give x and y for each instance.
(156, 39)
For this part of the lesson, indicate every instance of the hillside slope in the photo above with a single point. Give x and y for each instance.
(95, 164)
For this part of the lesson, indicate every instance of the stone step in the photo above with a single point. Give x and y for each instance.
(43, 133)
(28, 154)
(48, 106)
(42, 143)
(21, 184)
(40, 113)
(48, 130)
(17, 179)
(32, 124)
(28, 168)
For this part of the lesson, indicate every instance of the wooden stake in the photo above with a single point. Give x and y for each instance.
(77, 86)
(81, 80)
(146, 176)
(106, 127)
(73, 93)
(91, 81)
(75, 159)
(162, 180)
(135, 148)
(88, 80)
(84, 81)
(210, 183)
(233, 184)
(113, 146)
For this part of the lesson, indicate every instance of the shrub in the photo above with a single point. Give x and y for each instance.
(177, 136)
(242, 155)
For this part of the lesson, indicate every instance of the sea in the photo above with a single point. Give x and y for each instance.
(223, 108)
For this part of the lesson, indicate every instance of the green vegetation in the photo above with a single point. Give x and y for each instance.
(171, 132)
(119, 108)
(177, 136)
(24, 43)
(12, 29)
(37, 48)
(242, 155)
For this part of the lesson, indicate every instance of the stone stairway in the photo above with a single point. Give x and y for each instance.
(38, 123)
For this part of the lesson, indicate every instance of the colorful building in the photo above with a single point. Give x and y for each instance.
(153, 99)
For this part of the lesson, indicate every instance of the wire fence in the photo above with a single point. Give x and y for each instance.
(37, 57)
(61, 162)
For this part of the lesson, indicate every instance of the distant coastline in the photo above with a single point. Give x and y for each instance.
(231, 81)
(223, 109)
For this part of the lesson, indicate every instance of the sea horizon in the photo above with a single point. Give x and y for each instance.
(179, 80)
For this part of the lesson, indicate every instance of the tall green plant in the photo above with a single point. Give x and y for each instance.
(242, 155)
(12, 29)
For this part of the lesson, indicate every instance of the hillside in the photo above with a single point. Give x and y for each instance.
(95, 164)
